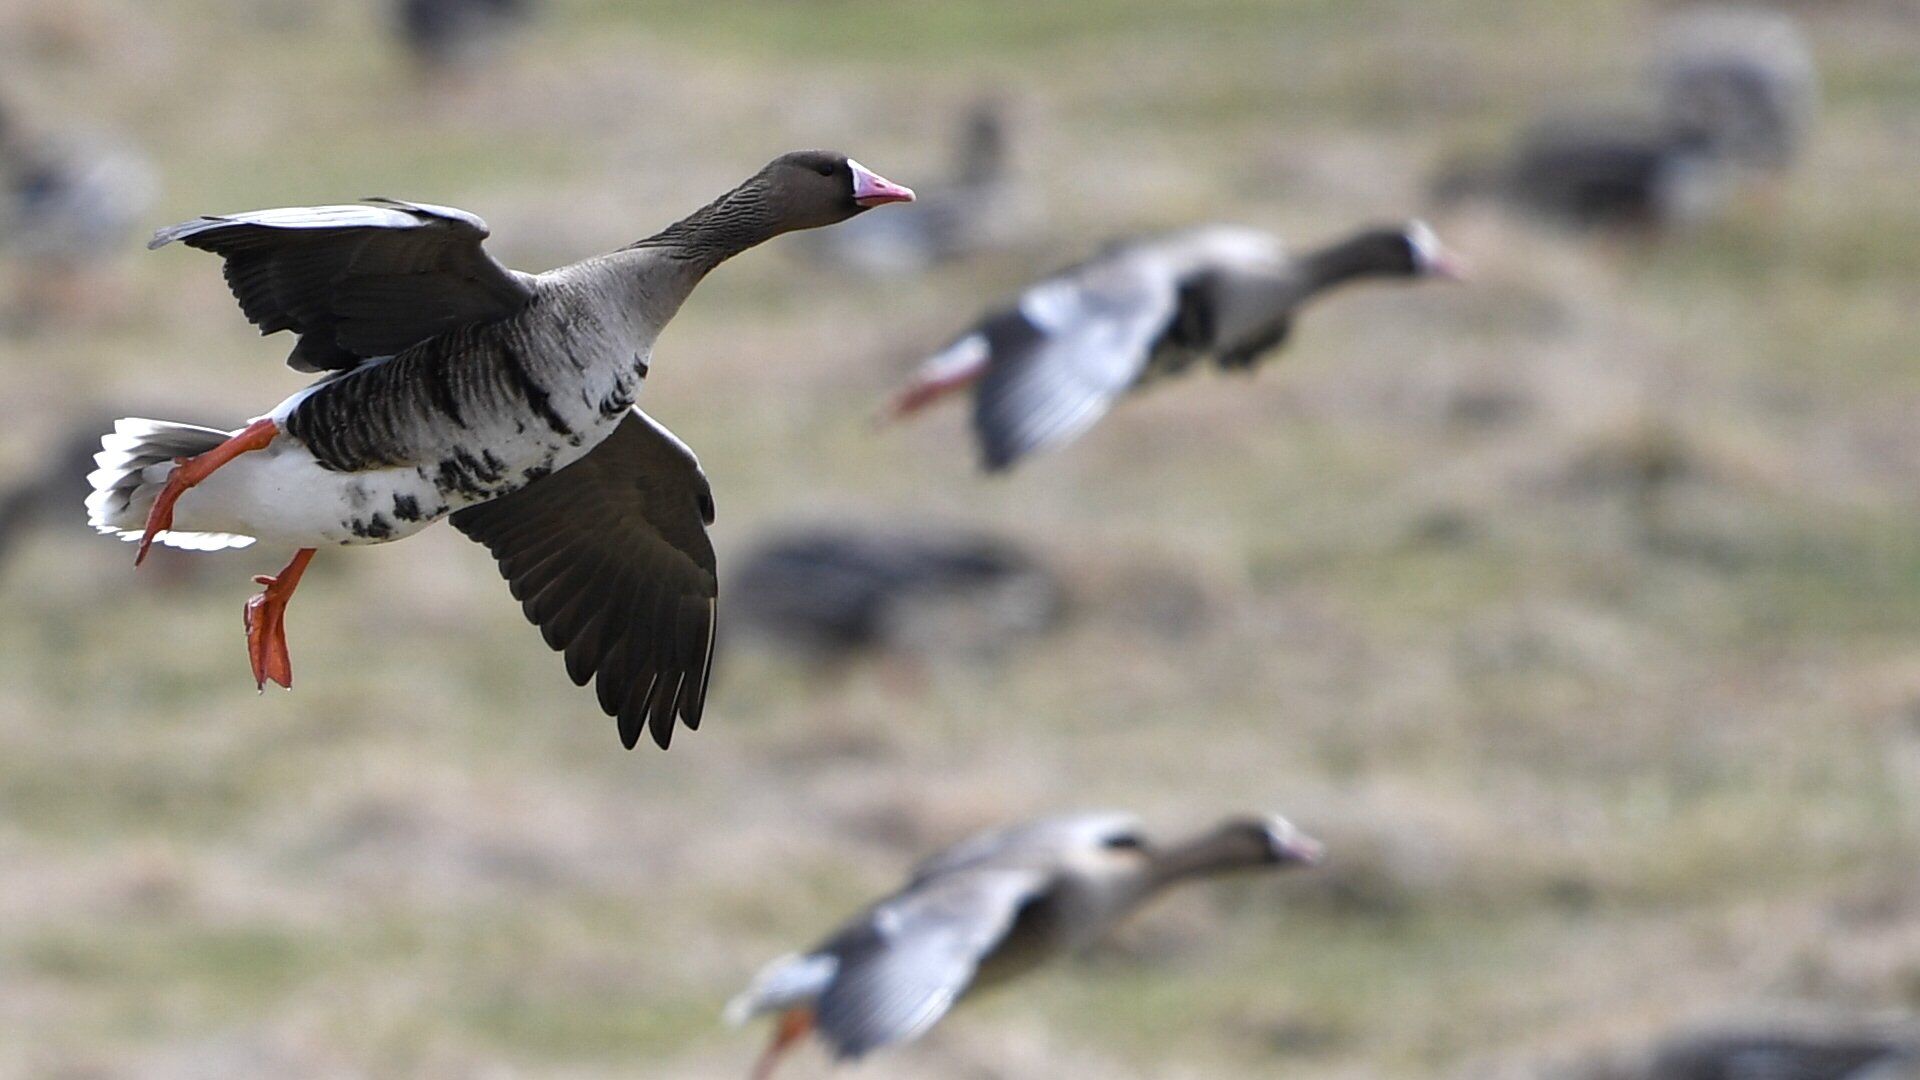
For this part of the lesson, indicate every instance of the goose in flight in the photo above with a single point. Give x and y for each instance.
(1049, 367)
(454, 387)
(989, 908)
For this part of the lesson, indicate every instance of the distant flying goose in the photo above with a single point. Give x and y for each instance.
(990, 908)
(1051, 366)
(455, 386)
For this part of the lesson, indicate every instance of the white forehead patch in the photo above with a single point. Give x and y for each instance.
(1426, 246)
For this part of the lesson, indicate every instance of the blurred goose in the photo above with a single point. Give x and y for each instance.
(1784, 1055)
(1733, 92)
(67, 203)
(990, 908)
(454, 386)
(48, 489)
(837, 590)
(43, 498)
(979, 209)
(1051, 366)
(442, 35)
(1598, 172)
(1742, 80)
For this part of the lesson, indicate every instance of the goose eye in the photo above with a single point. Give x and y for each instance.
(1123, 842)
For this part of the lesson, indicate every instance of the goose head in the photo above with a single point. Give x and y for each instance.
(1263, 841)
(1398, 252)
(808, 189)
(1409, 251)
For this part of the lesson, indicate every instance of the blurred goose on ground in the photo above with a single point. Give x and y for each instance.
(987, 909)
(454, 386)
(1778, 1055)
(69, 202)
(838, 590)
(979, 209)
(1734, 94)
(1598, 172)
(1049, 367)
(1743, 79)
(49, 490)
(445, 36)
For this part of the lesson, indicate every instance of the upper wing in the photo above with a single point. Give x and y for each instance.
(903, 964)
(1073, 347)
(357, 281)
(610, 558)
(1047, 836)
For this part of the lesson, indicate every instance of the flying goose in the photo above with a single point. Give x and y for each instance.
(1073, 345)
(989, 908)
(837, 590)
(455, 387)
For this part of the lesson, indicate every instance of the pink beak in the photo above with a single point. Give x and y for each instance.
(1306, 851)
(1450, 267)
(872, 189)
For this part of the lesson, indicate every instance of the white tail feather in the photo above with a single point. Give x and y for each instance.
(134, 462)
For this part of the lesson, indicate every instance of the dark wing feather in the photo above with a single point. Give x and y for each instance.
(1075, 345)
(904, 963)
(357, 281)
(610, 558)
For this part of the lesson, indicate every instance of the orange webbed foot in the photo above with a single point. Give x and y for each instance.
(265, 617)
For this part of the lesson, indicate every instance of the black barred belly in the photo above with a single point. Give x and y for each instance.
(432, 430)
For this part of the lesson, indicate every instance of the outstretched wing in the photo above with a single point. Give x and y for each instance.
(356, 282)
(1048, 837)
(610, 558)
(1074, 345)
(903, 964)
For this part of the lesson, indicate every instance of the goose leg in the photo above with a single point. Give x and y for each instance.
(266, 623)
(794, 1025)
(931, 386)
(188, 472)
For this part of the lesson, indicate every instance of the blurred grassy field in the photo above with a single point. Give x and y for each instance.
(1579, 610)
